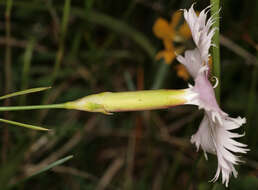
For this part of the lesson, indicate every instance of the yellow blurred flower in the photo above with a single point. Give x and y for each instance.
(182, 72)
(168, 54)
(170, 32)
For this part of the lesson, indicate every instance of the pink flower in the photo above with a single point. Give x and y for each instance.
(215, 134)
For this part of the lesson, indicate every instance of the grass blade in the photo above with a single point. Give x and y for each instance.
(28, 91)
(60, 52)
(34, 127)
(26, 68)
(48, 167)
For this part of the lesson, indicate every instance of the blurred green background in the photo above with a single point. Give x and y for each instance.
(81, 47)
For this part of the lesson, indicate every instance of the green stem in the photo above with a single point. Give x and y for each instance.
(26, 69)
(215, 6)
(33, 107)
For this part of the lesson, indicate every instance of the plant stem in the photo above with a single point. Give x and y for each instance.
(33, 107)
(215, 6)
(26, 69)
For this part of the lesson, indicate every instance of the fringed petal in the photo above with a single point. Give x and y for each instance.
(192, 61)
(201, 30)
(215, 134)
(214, 138)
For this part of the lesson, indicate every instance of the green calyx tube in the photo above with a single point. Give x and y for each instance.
(108, 102)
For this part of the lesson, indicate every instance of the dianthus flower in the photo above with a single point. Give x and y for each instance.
(215, 134)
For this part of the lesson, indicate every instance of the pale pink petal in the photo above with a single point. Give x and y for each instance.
(213, 138)
(201, 30)
(192, 61)
(215, 134)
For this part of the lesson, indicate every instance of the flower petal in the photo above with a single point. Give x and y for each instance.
(192, 61)
(203, 137)
(182, 72)
(163, 30)
(215, 134)
(175, 19)
(216, 139)
(201, 30)
(185, 31)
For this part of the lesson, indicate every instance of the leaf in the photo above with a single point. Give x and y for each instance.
(44, 169)
(34, 127)
(28, 91)
(50, 166)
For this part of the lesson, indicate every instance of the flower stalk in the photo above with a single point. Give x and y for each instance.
(31, 107)
(108, 102)
(215, 7)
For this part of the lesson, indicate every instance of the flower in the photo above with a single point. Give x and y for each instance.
(168, 33)
(215, 134)
(182, 72)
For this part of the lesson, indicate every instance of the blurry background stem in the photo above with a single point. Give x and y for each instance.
(215, 6)
(26, 68)
(59, 55)
(161, 75)
(8, 72)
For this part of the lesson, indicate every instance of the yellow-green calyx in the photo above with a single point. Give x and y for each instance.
(108, 102)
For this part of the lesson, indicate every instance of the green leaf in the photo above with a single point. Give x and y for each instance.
(28, 91)
(50, 166)
(34, 127)
(44, 169)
